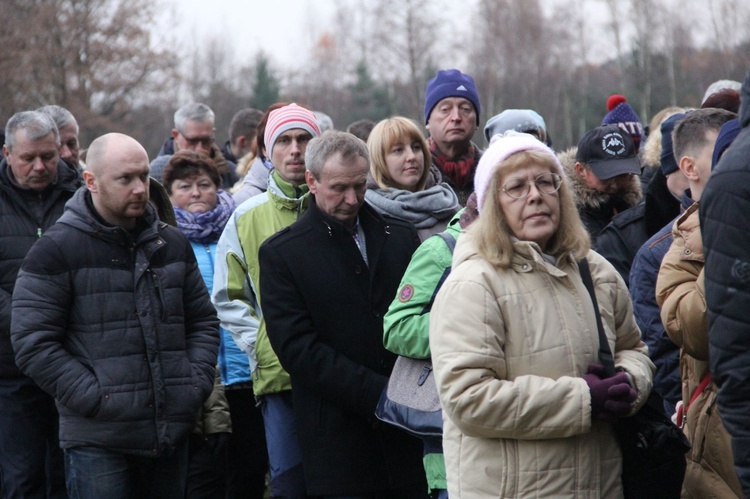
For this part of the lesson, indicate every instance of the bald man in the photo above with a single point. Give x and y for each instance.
(112, 318)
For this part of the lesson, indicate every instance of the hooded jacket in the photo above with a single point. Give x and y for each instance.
(597, 208)
(24, 216)
(509, 348)
(725, 204)
(681, 294)
(119, 328)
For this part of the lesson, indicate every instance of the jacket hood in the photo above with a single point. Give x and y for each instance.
(591, 198)
(80, 215)
(745, 102)
(651, 150)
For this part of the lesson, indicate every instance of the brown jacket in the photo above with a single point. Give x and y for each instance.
(680, 294)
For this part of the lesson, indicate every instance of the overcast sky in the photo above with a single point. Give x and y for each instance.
(278, 27)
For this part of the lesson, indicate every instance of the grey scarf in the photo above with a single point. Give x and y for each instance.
(424, 209)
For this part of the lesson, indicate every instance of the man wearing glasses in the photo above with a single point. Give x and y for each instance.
(194, 130)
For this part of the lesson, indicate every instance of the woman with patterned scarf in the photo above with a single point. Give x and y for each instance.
(202, 210)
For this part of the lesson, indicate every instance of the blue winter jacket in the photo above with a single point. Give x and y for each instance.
(663, 352)
(233, 364)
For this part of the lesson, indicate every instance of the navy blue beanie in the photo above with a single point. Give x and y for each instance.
(729, 131)
(668, 161)
(450, 83)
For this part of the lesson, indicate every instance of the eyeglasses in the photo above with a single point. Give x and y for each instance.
(195, 141)
(519, 188)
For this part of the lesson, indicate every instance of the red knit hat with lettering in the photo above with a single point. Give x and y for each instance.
(621, 114)
(288, 118)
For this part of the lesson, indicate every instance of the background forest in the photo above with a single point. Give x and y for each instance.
(108, 62)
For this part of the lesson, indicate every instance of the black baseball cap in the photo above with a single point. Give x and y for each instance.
(609, 151)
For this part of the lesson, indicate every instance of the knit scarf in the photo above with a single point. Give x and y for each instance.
(424, 209)
(460, 171)
(206, 227)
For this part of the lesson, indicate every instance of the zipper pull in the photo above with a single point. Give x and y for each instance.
(38, 232)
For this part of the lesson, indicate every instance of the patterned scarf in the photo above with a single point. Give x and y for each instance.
(460, 172)
(206, 227)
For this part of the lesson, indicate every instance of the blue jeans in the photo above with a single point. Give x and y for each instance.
(94, 473)
(284, 452)
(31, 462)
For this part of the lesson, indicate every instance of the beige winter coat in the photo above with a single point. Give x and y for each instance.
(509, 347)
(681, 295)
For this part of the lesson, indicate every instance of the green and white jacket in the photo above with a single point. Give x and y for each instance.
(236, 292)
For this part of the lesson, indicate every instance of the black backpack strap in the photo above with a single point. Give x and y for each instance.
(605, 355)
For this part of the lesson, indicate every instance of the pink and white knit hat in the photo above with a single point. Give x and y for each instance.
(287, 118)
(501, 148)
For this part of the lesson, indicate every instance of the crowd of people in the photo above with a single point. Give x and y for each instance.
(222, 321)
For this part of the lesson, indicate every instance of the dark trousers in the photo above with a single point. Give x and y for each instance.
(207, 466)
(248, 455)
(31, 462)
(95, 473)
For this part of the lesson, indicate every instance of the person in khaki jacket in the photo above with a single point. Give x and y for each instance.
(514, 341)
(681, 296)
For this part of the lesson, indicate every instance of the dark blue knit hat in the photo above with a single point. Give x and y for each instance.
(668, 161)
(729, 131)
(450, 83)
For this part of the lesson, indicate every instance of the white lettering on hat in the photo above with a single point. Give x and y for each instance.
(613, 144)
(462, 88)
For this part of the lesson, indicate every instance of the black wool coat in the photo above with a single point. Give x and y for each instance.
(323, 307)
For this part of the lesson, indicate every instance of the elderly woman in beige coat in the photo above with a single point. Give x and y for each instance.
(514, 341)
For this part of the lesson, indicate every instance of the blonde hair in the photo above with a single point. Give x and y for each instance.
(383, 136)
(492, 232)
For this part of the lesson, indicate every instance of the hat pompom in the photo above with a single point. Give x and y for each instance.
(614, 101)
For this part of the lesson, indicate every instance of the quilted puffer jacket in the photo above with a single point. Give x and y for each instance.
(119, 328)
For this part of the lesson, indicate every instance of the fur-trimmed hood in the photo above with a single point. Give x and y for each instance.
(585, 196)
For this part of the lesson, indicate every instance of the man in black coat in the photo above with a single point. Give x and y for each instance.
(725, 225)
(111, 316)
(326, 282)
(34, 187)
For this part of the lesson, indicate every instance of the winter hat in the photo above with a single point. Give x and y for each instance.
(287, 118)
(325, 122)
(729, 131)
(450, 83)
(608, 151)
(520, 120)
(621, 114)
(720, 85)
(502, 147)
(668, 161)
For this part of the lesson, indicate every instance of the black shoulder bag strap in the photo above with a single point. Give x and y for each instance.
(605, 355)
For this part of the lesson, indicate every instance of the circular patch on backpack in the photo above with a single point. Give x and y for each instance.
(406, 293)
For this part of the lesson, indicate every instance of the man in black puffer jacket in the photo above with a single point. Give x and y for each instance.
(111, 316)
(34, 187)
(725, 224)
